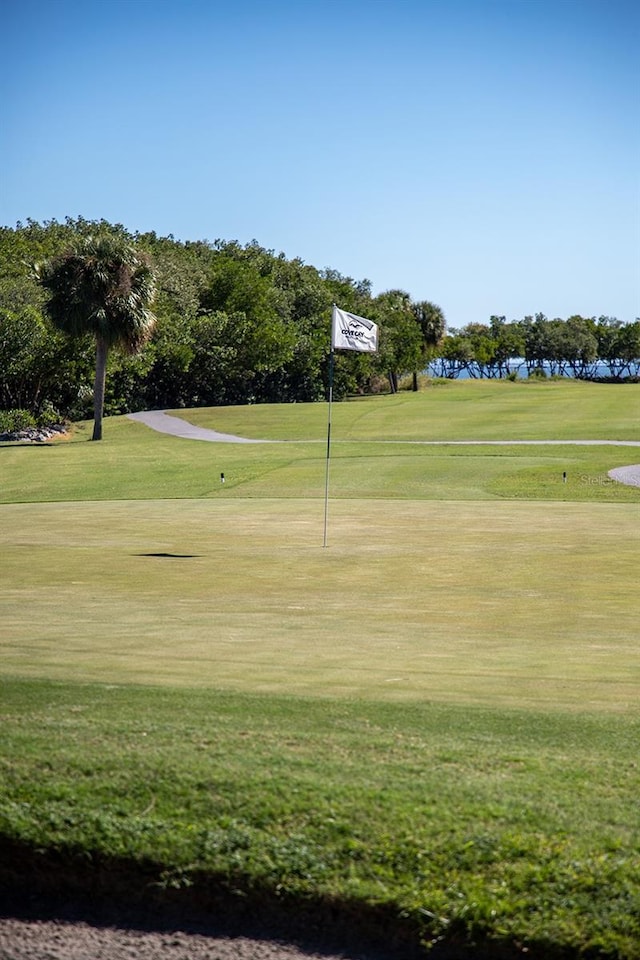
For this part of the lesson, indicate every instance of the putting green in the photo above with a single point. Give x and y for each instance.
(528, 603)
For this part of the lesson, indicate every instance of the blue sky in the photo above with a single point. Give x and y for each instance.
(483, 154)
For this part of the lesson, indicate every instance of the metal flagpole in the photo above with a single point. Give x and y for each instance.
(326, 479)
(354, 333)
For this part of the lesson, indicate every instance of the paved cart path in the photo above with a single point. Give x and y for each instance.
(177, 427)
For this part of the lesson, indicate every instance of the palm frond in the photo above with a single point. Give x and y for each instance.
(103, 286)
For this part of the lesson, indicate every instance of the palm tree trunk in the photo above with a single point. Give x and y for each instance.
(98, 388)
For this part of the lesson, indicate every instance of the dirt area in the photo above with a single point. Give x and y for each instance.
(51, 940)
(60, 905)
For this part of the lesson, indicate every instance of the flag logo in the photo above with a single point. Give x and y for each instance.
(350, 332)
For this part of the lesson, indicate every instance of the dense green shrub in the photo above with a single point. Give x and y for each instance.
(13, 420)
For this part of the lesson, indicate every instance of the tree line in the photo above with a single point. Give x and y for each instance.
(583, 347)
(231, 323)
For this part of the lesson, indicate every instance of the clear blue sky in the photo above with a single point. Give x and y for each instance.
(484, 154)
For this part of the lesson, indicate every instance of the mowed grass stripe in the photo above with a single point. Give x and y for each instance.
(448, 410)
(502, 603)
(137, 463)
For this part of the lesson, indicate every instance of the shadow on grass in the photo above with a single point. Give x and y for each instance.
(75, 885)
(174, 556)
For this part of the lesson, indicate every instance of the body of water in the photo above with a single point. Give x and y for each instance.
(519, 366)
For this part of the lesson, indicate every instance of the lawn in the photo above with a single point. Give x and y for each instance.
(493, 602)
(403, 462)
(450, 410)
(435, 716)
(441, 823)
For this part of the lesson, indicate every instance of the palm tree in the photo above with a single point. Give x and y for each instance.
(431, 321)
(103, 287)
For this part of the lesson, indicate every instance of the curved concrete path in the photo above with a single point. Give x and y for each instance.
(177, 427)
(629, 475)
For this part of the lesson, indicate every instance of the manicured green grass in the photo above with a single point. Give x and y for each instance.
(134, 462)
(437, 712)
(497, 602)
(450, 410)
(472, 823)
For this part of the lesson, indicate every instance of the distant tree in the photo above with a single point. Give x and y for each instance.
(508, 343)
(580, 345)
(39, 367)
(103, 286)
(482, 348)
(400, 341)
(538, 341)
(619, 346)
(432, 324)
(305, 301)
(455, 355)
(22, 340)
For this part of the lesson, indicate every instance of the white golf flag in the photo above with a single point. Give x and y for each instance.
(350, 332)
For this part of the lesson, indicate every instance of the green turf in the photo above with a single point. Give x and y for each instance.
(134, 462)
(473, 823)
(450, 410)
(438, 711)
(498, 602)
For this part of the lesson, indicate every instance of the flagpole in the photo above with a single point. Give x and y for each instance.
(348, 332)
(326, 479)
